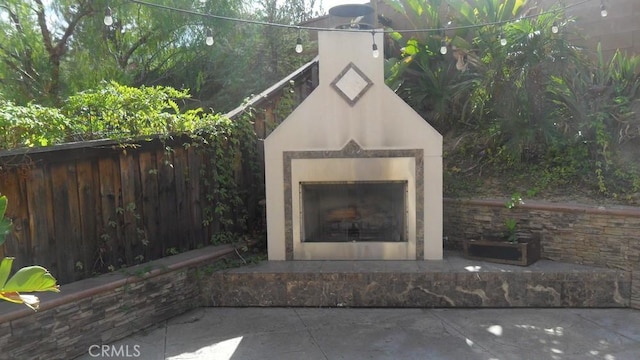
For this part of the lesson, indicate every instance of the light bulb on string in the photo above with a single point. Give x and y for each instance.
(443, 43)
(503, 40)
(443, 47)
(299, 45)
(555, 28)
(374, 47)
(108, 18)
(299, 42)
(209, 39)
(603, 10)
(109, 21)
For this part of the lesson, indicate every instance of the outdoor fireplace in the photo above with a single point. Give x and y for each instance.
(353, 211)
(353, 173)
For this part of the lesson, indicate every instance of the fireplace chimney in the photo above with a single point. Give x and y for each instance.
(352, 16)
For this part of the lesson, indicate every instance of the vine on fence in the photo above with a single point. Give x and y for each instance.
(229, 170)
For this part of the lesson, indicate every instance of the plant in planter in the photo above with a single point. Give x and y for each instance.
(511, 224)
(26, 280)
(512, 235)
(509, 248)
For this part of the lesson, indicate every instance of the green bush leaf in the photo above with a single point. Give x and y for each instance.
(5, 224)
(3, 205)
(30, 279)
(5, 270)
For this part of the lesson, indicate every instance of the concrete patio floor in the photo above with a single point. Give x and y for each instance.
(369, 333)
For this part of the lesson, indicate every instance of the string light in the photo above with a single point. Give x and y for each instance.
(299, 44)
(385, 31)
(443, 47)
(209, 39)
(443, 42)
(108, 19)
(555, 28)
(603, 9)
(374, 47)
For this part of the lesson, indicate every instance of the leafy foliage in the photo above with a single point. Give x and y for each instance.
(230, 149)
(32, 125)
(26, 280)
(229, 172)
(116, 111)
(538, 111)
(51, 50)
(5, 224)
(112, 111)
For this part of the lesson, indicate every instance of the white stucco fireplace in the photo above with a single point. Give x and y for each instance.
(353, 173)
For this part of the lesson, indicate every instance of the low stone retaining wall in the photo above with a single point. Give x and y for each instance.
(106, 308)
(110, 307)
(607, 237)
(453, 282)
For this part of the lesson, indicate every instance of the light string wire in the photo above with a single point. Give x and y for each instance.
(383, 31)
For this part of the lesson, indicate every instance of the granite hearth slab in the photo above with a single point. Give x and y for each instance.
(452, 282)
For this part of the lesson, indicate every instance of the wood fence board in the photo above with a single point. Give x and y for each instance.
(38, 194)
(73, 243)
(170, 215)
(181, 168)
(195, 199)
(88, 186)
(127, 180)
(167, 197)
(110, 201)
(64, 187)
(141, 247)
(18, 242)
(50, 210)
(149, 190)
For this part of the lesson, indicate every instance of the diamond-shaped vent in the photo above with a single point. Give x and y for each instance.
(351, 84)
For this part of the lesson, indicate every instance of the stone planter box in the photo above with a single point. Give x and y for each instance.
(523, 253)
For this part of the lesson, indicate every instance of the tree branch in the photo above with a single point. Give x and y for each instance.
(124, 59)
(44, 30)
(83, 12)
(14, 17)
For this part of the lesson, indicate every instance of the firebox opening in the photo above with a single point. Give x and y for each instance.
(361, 211)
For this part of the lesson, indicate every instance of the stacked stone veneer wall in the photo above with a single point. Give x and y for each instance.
(107, 308)
(607, 237)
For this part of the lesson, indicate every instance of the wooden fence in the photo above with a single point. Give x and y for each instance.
(83, 208)
(79, 208)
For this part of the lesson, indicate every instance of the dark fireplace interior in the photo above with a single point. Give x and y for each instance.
(354, 211)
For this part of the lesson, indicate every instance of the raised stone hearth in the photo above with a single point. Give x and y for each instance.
(453, 282)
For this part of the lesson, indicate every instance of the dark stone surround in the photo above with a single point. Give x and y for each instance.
(453, 282)
(353, 150)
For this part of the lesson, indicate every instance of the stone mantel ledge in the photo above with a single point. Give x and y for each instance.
(614, 210)
(108, 282)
